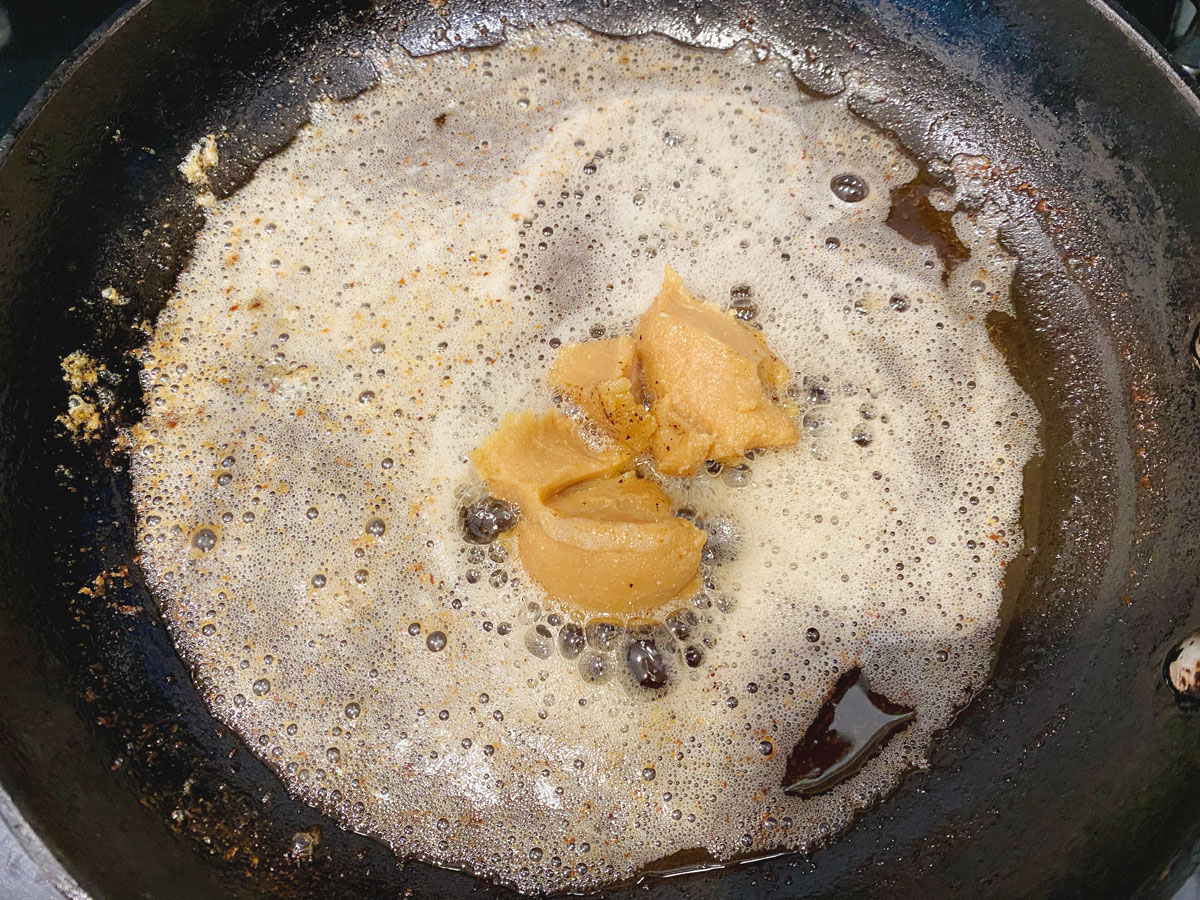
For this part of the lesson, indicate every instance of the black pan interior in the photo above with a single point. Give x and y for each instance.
(1072, 774)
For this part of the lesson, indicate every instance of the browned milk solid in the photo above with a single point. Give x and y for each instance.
(359, 316)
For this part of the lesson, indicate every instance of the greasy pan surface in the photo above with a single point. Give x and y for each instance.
(1073, 774)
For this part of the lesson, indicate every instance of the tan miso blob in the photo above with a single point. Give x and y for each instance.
(593, 534)
(712, 379)
(602, 379)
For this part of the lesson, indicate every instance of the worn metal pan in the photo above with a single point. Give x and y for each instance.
(1075, 773)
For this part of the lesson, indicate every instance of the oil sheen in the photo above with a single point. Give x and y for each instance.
(361, 314)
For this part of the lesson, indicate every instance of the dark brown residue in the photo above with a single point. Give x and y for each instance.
(850, 728)
(916, 219)
(1025, 353)
(694, 860)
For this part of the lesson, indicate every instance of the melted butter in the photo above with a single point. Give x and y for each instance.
(364, 312)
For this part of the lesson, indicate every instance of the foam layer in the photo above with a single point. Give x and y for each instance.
(361, 314)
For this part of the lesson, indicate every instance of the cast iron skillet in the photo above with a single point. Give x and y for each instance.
(1073, 774)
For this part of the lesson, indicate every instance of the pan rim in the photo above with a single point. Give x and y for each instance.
(49, 866)
(1185, 85)
(63, 72)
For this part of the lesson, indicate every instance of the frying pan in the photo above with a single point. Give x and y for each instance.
(1074, 773)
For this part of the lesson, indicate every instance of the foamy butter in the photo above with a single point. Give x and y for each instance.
(359, 316)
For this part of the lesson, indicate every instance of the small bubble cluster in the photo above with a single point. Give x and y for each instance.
(361, 314)
(486, 519)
